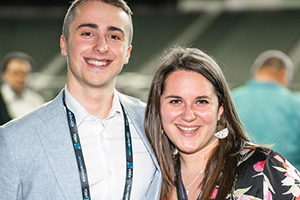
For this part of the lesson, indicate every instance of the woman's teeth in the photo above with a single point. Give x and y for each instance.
(188, 129)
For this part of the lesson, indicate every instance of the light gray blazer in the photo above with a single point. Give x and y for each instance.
(37, 160)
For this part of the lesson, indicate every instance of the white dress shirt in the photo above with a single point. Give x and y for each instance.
(18, 107)
(103, 147)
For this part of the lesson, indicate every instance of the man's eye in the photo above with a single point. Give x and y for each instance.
(87, 34)
(115, 37)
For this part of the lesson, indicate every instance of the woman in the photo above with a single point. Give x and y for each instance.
(203, 150)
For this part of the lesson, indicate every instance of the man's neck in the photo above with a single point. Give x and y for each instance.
(17, 92)
(96, 101)
(19, 95)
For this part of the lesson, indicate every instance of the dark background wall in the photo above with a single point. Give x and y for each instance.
(234, 37)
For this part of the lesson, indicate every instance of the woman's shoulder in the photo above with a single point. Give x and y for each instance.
(253, 154)
(263, 172)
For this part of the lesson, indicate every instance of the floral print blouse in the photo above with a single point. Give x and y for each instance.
(266, 175)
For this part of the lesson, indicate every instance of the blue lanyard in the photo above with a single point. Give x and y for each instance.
(80, 159)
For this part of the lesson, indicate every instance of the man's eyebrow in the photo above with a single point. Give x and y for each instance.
(113, 28)
(87, 25)
(95, 26)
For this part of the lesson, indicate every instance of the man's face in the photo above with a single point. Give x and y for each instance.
(16, 75)
(98, 46)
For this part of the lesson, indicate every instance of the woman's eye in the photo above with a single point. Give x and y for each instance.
(175, 101)
(202, 101)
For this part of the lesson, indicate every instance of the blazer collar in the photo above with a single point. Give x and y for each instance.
(56, 139)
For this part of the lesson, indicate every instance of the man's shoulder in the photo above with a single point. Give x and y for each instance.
(34, 94)
(240, 94)
(295, 96)
(238, 90)
(133, 101)
(39, 116)
(134, 107)
(242, 89)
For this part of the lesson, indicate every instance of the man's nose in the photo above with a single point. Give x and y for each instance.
(101, 45)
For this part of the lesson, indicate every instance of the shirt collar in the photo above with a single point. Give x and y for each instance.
(81, 113)
(116, 106)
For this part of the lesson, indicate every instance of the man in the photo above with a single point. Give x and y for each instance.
(16, 99)
(269, 111)
(82, 145)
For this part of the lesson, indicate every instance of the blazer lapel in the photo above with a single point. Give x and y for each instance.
(135, 111)
(56, 139)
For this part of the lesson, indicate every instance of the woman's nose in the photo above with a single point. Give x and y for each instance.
(188, 114)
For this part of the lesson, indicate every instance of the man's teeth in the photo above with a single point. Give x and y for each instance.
(97, 63)
(188, 129)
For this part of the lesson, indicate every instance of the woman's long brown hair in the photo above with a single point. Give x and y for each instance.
(221, 167)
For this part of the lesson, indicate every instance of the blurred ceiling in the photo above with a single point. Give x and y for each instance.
(66, 2)
(35, 8)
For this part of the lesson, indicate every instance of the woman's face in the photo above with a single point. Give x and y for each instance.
(190, 111)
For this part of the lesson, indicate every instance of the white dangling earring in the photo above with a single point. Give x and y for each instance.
(175, 151)
(222, 133)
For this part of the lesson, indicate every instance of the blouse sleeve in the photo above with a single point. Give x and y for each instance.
(281, 180)
(265, 174)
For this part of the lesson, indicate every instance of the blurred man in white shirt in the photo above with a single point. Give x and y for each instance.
(17, 97)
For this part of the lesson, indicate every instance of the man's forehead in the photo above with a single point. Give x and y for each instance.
(91, 15)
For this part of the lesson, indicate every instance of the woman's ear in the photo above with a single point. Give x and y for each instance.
(220, 112)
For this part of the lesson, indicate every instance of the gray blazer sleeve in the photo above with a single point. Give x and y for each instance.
(37, 157)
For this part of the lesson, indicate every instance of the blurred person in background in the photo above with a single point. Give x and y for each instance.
(89, 142)
(269, 111)
(16, 99)
(200, 143)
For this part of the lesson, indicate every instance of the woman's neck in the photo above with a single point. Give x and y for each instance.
(198, 159)
(193, 169)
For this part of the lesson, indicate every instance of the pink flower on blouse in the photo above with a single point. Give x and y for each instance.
(289, 176)
(296, 191)
(245, 198)
(268, 196)
(259, 166)
(285, 165)
(214, 194)
(277, 157)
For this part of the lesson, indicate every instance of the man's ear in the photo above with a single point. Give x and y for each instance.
(128, 55)
(63, 46)
(3, 77)
(282, 77)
